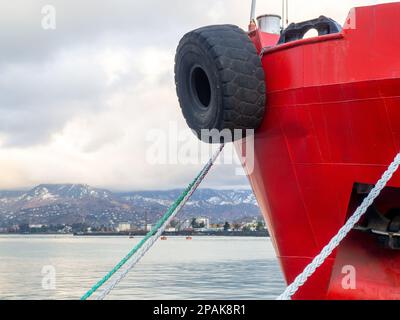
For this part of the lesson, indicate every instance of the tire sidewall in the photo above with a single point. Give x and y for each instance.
(193, 55)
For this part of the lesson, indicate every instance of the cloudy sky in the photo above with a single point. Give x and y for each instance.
(78, 103)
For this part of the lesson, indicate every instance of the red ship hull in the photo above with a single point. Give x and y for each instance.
(332, 121)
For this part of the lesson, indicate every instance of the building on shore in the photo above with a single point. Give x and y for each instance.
(185, 225)
(146, 227)
(37, 226)
(124, 227)
(203, 222)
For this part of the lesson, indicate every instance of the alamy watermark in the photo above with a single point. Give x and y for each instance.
(49, 277)
(49, 17)
(349, 281)
(174, 146)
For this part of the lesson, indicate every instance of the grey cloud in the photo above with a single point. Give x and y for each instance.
(136, 23)
(36, 100)
(50, 80)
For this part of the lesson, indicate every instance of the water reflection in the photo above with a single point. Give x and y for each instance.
(203, 268)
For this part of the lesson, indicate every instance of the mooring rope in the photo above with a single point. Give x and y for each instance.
(342, 233)
(134, 256)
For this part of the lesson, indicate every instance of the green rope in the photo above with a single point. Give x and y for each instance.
(153, 231)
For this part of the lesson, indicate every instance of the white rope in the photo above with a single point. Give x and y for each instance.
(328, 249)
(121, 274)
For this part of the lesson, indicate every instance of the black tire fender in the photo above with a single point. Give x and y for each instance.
(220, 81)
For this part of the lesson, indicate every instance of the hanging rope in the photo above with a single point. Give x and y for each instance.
(343, 232)
(134, 256)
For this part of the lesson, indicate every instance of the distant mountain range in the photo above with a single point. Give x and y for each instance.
(78, 203)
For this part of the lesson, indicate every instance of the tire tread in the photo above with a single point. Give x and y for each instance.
(240, 70)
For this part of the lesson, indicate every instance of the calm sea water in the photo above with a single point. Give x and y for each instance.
(203, 268)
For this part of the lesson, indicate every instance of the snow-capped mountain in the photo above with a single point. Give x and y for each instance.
(75, 203)
(69, 191)
(201, 196)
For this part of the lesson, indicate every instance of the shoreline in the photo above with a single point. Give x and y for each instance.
(257, 234)
(180, 234)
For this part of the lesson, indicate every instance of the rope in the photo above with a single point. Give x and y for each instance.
(342, 233)
(134, 256)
